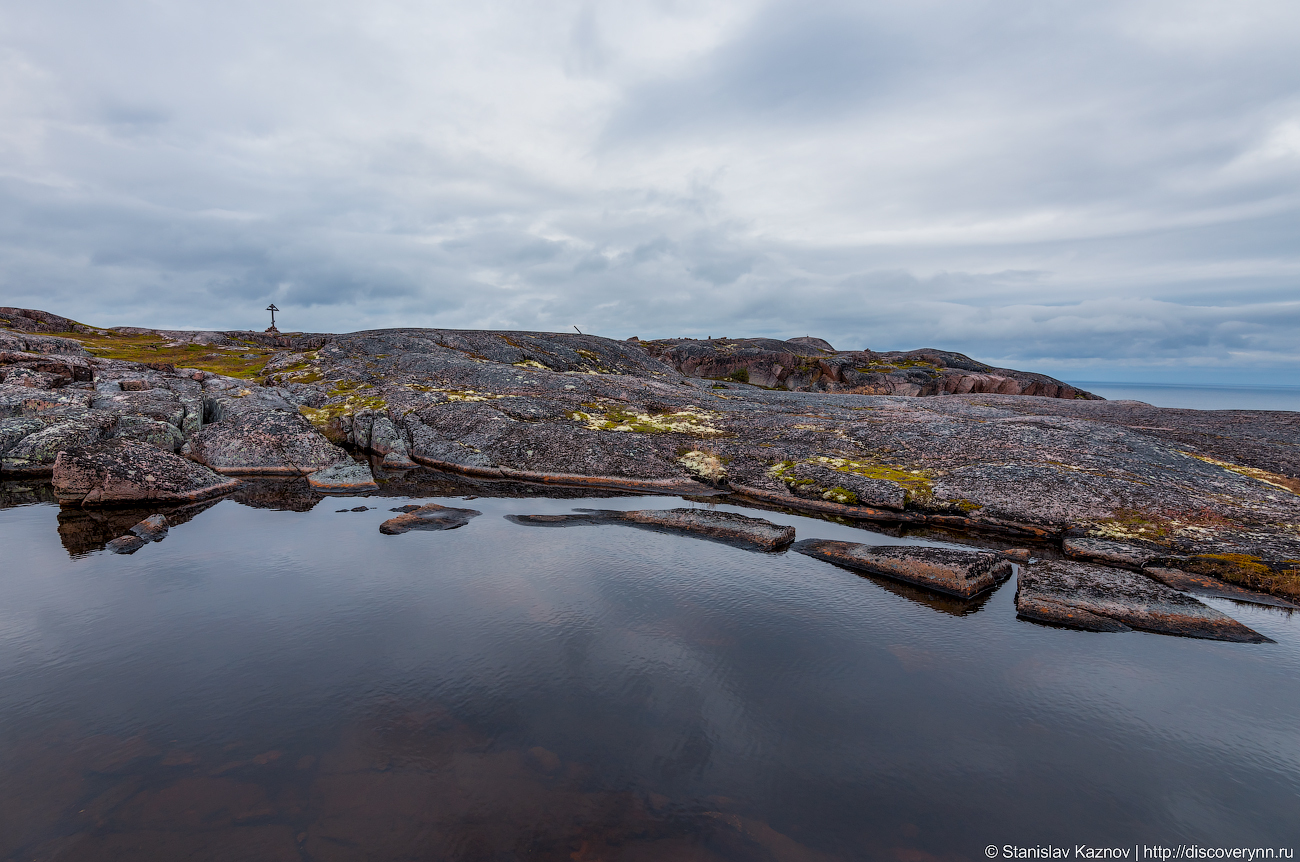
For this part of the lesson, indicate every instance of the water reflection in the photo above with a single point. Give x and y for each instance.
(293, 684)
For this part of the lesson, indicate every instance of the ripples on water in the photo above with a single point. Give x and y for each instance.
(294, 685)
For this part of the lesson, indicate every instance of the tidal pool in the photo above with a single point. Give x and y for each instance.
(275, 684)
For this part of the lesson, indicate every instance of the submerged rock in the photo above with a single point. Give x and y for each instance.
(428, 517)
(726, 527)
(152, 529)
(343, 478)
(125, 471)
(1096, 598)
(948, 570)
(126, 544)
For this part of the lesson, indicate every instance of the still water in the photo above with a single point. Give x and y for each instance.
(294, 685)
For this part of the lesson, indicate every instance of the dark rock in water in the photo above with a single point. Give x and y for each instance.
(428, 517)
(83, 531)
(1095, 598)
(126, 544)
(345, 478)
(1206, 586)
(274, 442)
(957, 572)
(1110, 553)
(403, 509)
(359, 509)
(118, 472)
(152, 529)
(726, 527)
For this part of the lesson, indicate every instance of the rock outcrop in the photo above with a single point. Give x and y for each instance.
(430, 516)
(1210, 494)
(1093, 598)
(957, 572)
(811, 365)
(728, 527)
(118, 472)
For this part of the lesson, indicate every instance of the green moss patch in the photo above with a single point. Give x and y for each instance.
(242, 362)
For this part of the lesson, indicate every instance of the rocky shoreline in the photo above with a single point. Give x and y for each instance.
(931, 440)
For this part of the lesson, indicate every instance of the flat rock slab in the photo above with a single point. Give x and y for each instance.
(1097, 598)
(347, 478)
(1110, 553)
(1206, 586)
(729, 527)
(118, 472)
(948, 570)
(152, 529)
(428, 517)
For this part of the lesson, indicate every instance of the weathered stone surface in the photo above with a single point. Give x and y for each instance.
(126, 544)
(428, 517)
(811, 365)
(1095, 598)
(272, 443)
(956, 572)
(152, 529)
(116, 472)
(729, 527)
(35, 454)
(1111, 553)
(348, 477)
(164, 435)
(1204, 585)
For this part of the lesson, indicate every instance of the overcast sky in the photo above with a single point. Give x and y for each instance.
(1080, 187)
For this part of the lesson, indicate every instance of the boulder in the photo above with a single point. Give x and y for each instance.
(728, 527)
(428, 517)
(948, 570)
(152, 529)
(155, 432)
(118, 472)
(346, 478)
(35, 453)
(275, 442)
(1096, 598)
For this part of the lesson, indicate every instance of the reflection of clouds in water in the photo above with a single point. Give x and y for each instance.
(639, 663)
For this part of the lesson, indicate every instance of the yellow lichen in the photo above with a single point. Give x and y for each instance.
(531, 365)
(1284, 482)
(692, 420)
(704, 465)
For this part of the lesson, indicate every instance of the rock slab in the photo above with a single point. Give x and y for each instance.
(948, 570)
(729, 527)
(428, 517)
(118, 472)
(1096, 598)
(346, 478)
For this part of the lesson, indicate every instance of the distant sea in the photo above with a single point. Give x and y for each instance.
(1198, 397)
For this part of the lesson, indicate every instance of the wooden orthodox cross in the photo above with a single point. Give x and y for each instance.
(271, 308)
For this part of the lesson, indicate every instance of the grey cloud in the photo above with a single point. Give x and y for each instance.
(1054, 185)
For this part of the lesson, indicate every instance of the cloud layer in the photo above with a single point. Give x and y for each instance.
(1057, 185)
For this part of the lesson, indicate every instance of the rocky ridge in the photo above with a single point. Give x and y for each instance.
(1210, 494)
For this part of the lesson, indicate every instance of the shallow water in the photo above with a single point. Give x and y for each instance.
(1199, 397)
(294, 685)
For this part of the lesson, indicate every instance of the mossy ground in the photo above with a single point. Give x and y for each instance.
(916, 484)
(245, 362)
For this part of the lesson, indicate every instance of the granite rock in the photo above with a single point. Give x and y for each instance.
(957, 572)
(118, 472)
